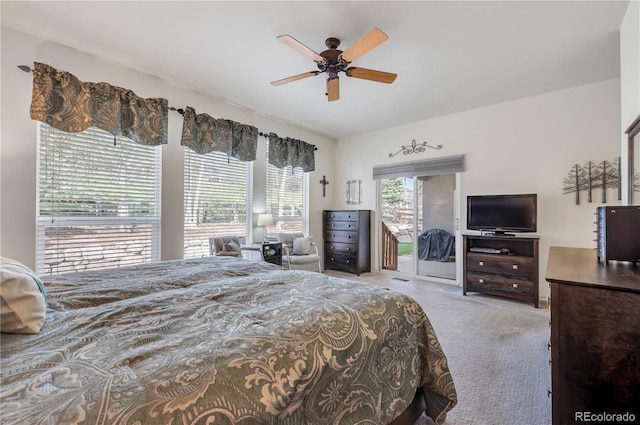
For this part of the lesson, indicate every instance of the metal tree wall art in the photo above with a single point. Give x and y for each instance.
(592, 175)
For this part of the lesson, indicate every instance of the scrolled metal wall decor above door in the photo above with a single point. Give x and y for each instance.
(414, 147)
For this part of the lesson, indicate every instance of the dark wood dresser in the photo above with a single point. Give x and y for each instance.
(508, 269)
(347, 240)
(595, 337)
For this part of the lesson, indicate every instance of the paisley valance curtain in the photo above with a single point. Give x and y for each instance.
(202, 134)
(62, 101)
(286, 151)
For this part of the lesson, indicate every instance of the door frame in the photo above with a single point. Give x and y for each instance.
(376, 231)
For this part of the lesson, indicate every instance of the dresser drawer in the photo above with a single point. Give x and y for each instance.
(503, 264)
(340, 236)
(341, 248)
(341, 262)
(341, 225)
(342, 216)
(498, 284)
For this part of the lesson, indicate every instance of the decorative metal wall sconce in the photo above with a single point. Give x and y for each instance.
(592, 175)
(414, 147)
(354, 192)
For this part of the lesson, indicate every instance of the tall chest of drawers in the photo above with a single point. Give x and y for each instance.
(347, 240)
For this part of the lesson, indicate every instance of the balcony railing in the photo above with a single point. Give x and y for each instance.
(389, 249)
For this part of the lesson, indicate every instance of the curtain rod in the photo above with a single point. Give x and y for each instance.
(26, 68)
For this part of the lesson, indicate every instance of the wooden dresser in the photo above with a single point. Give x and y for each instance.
(509, 270)
(347, 240)
(595, 337)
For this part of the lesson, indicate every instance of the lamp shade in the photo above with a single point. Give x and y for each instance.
(264, 219)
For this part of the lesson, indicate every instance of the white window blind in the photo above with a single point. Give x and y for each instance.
(287, 199)
(424, 167)
(216, 199)
(98, 201)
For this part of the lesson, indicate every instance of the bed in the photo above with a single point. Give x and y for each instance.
(223, 340)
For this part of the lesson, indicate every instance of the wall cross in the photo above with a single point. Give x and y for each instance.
(324, 184)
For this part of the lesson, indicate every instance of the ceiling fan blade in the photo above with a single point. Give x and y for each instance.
(333, 89)
(295, 78)
(365, 44)
(371, 74)
(292, 42)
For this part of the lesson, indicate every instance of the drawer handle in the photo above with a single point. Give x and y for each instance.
(349, 237)
(348, 225)
(481, 263)
(480, 280)
(348, 261)
(348, 249)
(515, 285)
(515, 267)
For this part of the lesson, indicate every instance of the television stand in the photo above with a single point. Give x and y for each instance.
(514, 275)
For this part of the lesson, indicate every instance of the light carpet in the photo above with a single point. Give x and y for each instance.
(496, 349)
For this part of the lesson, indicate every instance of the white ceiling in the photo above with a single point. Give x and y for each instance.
(450, 56)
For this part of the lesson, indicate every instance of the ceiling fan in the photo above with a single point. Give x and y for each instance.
(334, 61)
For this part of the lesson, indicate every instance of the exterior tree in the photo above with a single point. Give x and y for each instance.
(392, 194)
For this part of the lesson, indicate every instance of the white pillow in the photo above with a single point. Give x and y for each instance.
(231, 246)
(23, 305)
(302, 246)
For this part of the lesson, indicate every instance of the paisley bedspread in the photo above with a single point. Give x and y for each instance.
(221, 341)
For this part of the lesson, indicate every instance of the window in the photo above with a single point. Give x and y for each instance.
(98, 201)
(287, 199)
(216, 199)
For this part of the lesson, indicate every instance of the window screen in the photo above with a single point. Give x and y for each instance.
(216, 199)
(287, 199)
(98, 201)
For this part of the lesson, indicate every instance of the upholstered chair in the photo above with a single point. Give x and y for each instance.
(225, 246)
(299, 250)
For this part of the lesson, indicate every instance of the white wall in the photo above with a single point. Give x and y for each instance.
(629, 75)
(18, 142)
(524, 146)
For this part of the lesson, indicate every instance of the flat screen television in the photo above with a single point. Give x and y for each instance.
(499, 214)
